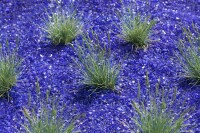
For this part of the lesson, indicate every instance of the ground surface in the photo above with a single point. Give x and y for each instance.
(55, 68)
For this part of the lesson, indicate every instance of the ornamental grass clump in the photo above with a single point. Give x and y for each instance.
(96, 66)
(161, 112)
(135, 29)
(45, 122)
(62, 28)
(189, 56)
(45, 116)
(9, 68)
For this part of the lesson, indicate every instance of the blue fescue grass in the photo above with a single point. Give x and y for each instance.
(9, 67)
(96, 66)
(156, 112)
(46, 122)
(135, 29)
(189, 49)
(45, 116)
(62, 28)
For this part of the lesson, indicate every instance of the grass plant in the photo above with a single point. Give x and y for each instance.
(135, 29)
(46, 116)
(189, 49)
(62, 29)
(156, 112)
(96, 66)
(9, 67)
(46, 122)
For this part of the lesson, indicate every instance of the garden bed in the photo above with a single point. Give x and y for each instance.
(106, 111)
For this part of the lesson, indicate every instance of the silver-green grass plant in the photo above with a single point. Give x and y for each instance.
(62, 28)
(45, 116)
(95, 63)
(156, 112)
(189, 55)
(135, 29)
(9, 67)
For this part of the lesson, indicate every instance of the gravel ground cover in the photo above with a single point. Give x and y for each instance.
(106, 111)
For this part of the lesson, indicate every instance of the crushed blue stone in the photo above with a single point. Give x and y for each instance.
(55, 68)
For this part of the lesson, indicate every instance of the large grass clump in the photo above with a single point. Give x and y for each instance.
(62, 28)
(160, 112)
(9, 67)
(46, 116)
(135, 29)
(95, 64)
(189, 56)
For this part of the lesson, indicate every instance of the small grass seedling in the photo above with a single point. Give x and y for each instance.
(62, 29)
(46, 116)
(156, 113)
(189, 49)
(135, 29)
(97, 68)
(9, 68)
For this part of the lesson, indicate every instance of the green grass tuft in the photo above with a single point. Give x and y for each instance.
(63, 29)
(9, 68)
(135, 30)
(156, 112)
(46, 122)
(96, 66)
(189, 54)
(45, 116)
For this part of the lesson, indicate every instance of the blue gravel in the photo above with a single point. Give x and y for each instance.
(106, 111)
